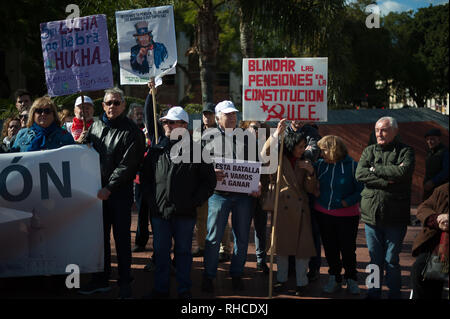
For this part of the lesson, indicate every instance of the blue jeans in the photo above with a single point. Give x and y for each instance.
(181, 229)
(260, 223)
(219, 208)
(385, 244)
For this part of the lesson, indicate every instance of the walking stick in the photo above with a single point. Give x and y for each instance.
(275, 211)
(153, 91)
(83, 111)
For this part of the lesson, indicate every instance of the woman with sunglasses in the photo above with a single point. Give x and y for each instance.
(43, 129)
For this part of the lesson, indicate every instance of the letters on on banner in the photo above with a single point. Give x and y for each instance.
(50, 216)
(147, 44)
(240, 177)
(291, 88)
(76, 55)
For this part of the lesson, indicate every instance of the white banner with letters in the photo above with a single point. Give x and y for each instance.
(50, 216)
(240, 177)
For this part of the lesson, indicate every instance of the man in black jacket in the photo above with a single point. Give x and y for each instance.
(120, 144)
(174, 185)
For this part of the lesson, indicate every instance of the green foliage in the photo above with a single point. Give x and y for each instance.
(193, 108)
(7, 109)
(420, 52)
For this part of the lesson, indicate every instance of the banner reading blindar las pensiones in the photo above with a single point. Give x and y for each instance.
(76, 55)
(50, 216)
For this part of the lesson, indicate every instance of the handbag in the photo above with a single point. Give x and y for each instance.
(268, 203)
(435, 269)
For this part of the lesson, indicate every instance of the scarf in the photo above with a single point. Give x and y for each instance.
(77, 127)
(42, 133)
(105, 120)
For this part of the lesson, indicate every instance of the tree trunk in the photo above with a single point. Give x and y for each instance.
(207, 43)
(246, 35)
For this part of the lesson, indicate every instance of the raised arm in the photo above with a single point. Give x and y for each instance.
(149, 120)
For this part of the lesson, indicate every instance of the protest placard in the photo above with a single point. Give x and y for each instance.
(240, 177)
(76, 55)
(147, 44)
(291, 88)
(50, 216)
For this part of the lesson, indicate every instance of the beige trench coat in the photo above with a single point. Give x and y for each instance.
(293, 235)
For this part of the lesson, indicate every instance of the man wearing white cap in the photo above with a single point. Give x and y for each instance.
(221, 203)
(174, 190)
(83, 111)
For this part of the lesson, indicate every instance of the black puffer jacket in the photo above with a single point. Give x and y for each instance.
(175, 189)
(121, 147)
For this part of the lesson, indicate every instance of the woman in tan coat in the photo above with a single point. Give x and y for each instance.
(293, 235)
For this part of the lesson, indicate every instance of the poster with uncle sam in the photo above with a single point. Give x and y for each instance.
(147, 44)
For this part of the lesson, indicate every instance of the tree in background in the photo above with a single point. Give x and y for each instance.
(420, 44)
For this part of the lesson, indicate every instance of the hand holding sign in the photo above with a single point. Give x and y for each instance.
(281, 128)
(219, 174)
(103, 194)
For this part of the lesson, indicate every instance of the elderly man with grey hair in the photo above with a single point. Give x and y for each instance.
(136, 113)
(386, 169)
(221, 203)
(120, 144)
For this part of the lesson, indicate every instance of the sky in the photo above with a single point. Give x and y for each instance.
(387, 6)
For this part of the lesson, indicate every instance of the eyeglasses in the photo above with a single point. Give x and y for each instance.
(116, 103)
(23, 116)
(46, 111)
(169, 122)
(14, 126)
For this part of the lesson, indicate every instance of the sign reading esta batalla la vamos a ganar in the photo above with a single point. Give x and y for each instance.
(76, 55)
(291, 88)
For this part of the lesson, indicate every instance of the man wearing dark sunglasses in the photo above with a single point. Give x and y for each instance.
(120, 144)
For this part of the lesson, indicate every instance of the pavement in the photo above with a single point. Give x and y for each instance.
(256, 282)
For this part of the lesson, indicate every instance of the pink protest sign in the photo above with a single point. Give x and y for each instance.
(76, 55)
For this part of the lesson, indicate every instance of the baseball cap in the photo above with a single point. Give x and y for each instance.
(226, 107)
(176, 113)
(209, 107)
(87, 100)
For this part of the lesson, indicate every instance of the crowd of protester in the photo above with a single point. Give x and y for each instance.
(324, 195)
